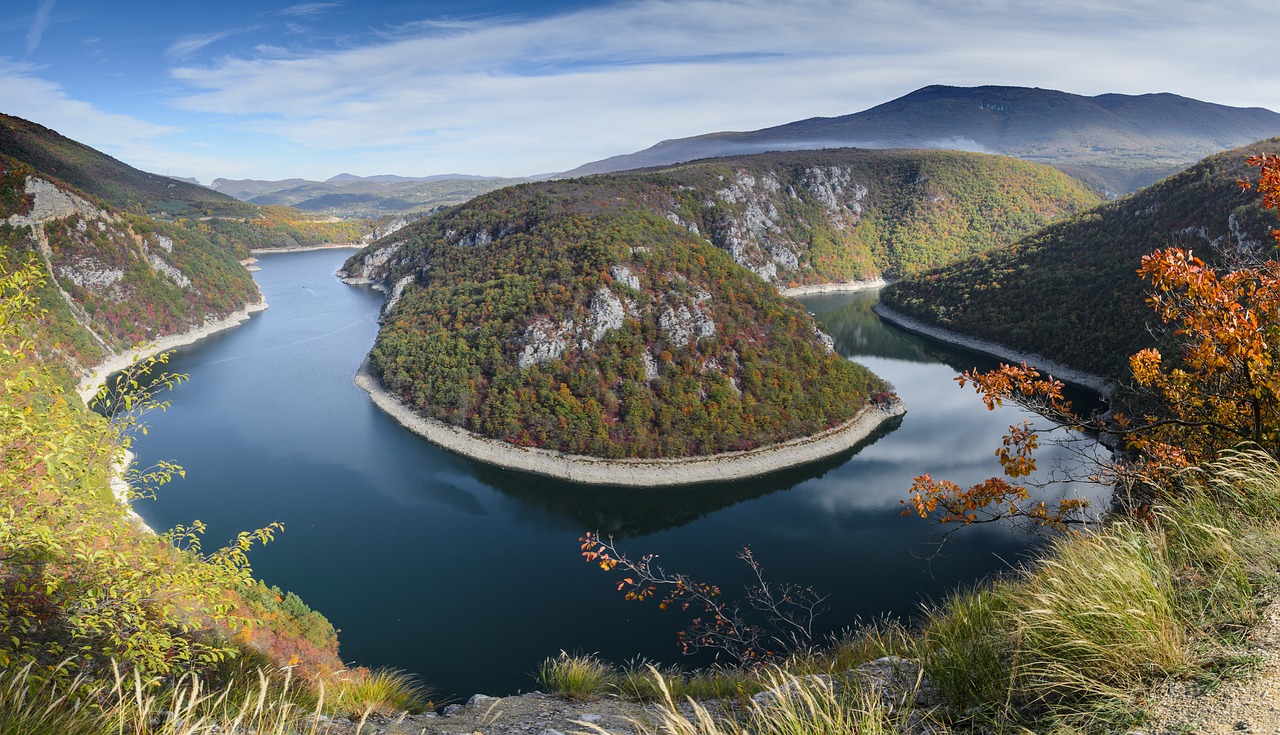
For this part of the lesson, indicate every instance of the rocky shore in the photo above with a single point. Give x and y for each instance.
(842, 287)
(630, 472)
(89, 384)
(1097, 383)
(306, 248)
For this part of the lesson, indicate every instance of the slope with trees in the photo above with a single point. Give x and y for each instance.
(1071, 292)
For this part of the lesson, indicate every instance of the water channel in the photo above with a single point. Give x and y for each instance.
(469, 576)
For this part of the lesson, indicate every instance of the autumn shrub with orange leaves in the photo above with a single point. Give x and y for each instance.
(1217, 388)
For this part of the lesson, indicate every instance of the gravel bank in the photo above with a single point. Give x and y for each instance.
(629, 472)
(1058, 370)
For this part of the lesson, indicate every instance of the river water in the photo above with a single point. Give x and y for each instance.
(470, 576)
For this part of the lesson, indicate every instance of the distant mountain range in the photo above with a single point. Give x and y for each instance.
(347, 195)
(1116, 143)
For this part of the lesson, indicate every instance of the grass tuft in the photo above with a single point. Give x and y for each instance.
(578, 676)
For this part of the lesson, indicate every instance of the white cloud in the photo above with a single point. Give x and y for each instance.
(137, 142)
(520, 95)
(38, 26)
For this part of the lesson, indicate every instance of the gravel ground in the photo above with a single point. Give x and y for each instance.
(1248, 706)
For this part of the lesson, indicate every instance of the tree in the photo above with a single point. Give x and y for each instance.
(774, 620)
(1221, 388)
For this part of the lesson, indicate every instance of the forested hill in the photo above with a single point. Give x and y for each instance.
(1070, 291)
(607, 316)
(1117, 142)
(129, 256)
(109, 182)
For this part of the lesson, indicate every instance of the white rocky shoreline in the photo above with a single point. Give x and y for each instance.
(630, 472)
(1097, 383)
(306, 248)
(841, 287)
(90, 384)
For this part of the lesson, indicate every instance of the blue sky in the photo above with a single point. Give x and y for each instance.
(270, 89)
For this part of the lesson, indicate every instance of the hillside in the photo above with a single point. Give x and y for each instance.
(1117, 143)
(1070, 291)
(610, 316)
(815, 217)
(118, 184)
(113, 279)
(346, 195)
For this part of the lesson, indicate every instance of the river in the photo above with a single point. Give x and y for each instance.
(469, 576)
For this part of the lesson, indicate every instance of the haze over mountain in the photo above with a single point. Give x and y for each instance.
(348, 195)
(1117, 143)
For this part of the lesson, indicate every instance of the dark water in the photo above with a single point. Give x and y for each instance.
(469, 576)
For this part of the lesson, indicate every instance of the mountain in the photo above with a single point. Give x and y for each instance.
(118, 184)
(1117, 143)
(347, 195)
(1070, 292)
(613, 315)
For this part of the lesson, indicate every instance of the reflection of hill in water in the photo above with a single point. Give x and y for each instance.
(858, 331)
(627, 512)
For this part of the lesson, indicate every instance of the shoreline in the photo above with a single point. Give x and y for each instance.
(305, 248)
(1096, 383)
(840, 287)
(89, 385)
(628, 472)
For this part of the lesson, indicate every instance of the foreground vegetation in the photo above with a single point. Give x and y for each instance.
(101, 618)
(1071, 642)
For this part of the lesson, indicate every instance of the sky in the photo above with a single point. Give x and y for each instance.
(273, 89)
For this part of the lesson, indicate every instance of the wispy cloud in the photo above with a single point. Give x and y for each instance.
(188, 45)
(308, 9)
(34, 34)
(146, 145)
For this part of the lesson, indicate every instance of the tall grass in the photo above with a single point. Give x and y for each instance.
(266, 705)
(1077, 635)
(797, 706)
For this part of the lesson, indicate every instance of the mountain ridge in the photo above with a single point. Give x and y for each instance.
(1116, 142)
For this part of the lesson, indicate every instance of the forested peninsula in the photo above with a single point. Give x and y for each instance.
(637, 315)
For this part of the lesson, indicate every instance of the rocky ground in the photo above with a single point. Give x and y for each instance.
(526, 714)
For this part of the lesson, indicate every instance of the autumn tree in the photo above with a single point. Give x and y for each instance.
(1219, 388)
